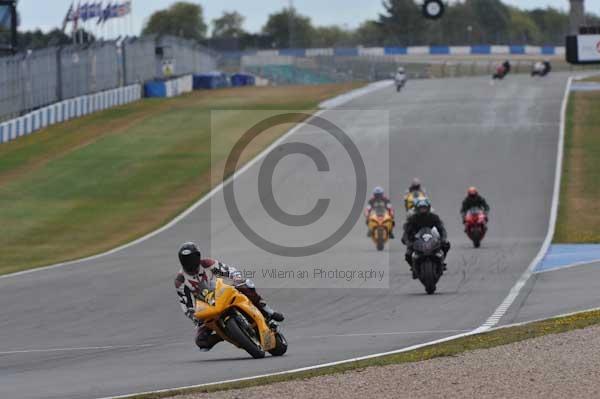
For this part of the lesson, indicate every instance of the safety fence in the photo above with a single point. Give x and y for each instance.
(169, 88)
(39, 78)
(330, 68)
(399, 50)
(68, 109)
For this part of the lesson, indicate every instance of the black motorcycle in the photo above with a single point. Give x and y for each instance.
(428, 258)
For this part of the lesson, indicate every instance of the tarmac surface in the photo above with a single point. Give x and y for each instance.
(112, 325)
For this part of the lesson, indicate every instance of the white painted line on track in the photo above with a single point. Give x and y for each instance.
(521, 323)
(82, 348)
(365, 90)
(570, 266)
(351, 95)
(298, 370)
(481, 125)
(118, 347)
(516, 289)
(376, 334)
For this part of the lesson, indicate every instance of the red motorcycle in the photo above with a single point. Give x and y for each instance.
(475, 221)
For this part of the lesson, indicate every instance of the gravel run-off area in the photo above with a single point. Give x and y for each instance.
(563, 365)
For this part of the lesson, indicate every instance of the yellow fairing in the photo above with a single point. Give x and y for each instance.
(411, 198)
(215, 303)
(376, 221)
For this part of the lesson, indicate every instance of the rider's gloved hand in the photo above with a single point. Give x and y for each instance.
(237, 278)
(191, 314)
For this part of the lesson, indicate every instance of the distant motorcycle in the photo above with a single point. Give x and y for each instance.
(428, 258)
(475, 221)
(400, 84)
(541, 68)
(400, 78)
(500, 73)
(502, 70)
(380, 225)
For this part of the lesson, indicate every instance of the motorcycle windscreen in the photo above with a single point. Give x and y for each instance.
(380, 210)
(428, 241)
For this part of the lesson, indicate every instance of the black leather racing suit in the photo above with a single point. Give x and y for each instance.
(416, 222)
(474, 201)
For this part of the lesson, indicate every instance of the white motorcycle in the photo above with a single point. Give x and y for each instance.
(400, 79)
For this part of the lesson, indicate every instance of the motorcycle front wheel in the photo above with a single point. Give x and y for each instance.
(428, 277)
(476, 236)
(245, 339)
(380, 239)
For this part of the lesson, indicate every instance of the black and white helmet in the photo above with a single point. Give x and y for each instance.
(189, 257)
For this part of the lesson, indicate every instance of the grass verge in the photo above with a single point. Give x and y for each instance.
(595, 78)
(501, 336)
(93, 183)
(579, 208)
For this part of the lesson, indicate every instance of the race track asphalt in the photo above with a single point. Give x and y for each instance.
(113, 325)
(557, 292)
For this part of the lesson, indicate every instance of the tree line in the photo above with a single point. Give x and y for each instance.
(400, 23)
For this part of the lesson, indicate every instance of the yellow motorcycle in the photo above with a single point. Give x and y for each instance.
(380, 226)
(232, 316)
(410, 199)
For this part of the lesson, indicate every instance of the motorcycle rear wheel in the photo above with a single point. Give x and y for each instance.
(280, 346)
(238, 334)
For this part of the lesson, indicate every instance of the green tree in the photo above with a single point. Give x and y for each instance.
(402, 22)
(553, 24)
(287, 28)
(522, 28)
(458, 26)
(493, 18)
(331, 36)
(181, 19)
(32, 40)
(229, 25)
(369, 33)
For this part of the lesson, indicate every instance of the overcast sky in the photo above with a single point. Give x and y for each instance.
(48, 14)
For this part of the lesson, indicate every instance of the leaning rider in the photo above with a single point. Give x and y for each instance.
(198, 274)
(379, 200)
(423, 217)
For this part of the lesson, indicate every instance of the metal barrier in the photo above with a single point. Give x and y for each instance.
(68, 109)
(39, 78)
(377, 67)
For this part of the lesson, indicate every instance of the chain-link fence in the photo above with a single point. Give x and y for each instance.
(185, 56)
(139, 59)
(281, 69)
(38, 78)
(88, 70)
